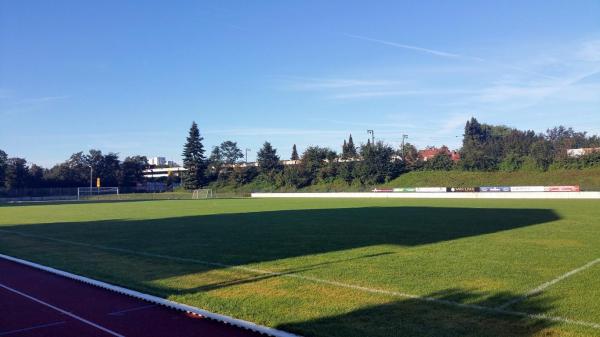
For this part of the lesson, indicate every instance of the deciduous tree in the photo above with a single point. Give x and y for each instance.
(230, 152)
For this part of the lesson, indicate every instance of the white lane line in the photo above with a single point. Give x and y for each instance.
(550, 283)
(154, 299)
(121, 312)
(35, 327)
(81, 319)
(477, 307)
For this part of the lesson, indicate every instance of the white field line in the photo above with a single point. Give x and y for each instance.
(330, 282)
(550, 283)
(155, 300)
(62, 311)
(34, 327)
(121, 312)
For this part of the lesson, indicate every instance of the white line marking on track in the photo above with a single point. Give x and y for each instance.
(154, 299)
(477, 307)
(550, 283)
(121, 312)
(34, 327)
(62, 311)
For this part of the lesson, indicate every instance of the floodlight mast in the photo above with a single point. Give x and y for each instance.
(372, 133)
(247, 149)
(403, 153)
(91, 174)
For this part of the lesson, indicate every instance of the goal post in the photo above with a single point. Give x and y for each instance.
(85, 193)
(203, 193)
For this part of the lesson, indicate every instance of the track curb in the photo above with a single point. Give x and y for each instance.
(156, 300)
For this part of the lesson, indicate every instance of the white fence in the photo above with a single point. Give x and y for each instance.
(434, 195)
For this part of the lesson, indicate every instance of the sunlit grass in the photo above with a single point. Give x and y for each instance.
(482, 252)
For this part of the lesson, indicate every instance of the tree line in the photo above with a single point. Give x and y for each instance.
(497, 147)
(15, 173)
(484, 148)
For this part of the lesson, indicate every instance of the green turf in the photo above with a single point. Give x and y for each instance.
(332, 257)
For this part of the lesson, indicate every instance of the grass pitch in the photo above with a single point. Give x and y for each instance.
(338, 267)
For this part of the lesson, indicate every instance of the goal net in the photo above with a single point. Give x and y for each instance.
(204, 193)
(88, 193)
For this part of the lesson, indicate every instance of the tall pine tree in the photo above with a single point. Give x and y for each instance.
(193, 159)
(267, 158)
(294, 153)
(351, 148)
(3, 164)
(348, 149)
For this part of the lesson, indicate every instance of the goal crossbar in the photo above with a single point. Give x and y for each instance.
(203, 193)
(95, 191)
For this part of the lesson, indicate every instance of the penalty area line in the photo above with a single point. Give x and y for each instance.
(544, 286)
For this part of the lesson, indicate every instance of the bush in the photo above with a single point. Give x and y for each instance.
(244, 175)
(511, 163)
(440, 162)
(293, 176)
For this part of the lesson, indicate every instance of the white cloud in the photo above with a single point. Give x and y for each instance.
(410, 47)
(454, 123)
(308, 84)
(391, 93)
(452, 55)
(44, 99)
(590, 51)
(250, 131)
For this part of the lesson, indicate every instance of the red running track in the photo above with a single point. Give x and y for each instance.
(37, 303)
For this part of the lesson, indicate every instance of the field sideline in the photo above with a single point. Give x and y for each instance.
(338, 267)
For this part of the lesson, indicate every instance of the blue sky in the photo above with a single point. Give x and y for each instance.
(130, 76)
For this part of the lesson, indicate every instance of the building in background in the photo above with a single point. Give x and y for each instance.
(157, 161)
(432, 151)
(582, 152)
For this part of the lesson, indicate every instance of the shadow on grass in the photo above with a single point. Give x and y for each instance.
(243, 238)
(413, 317)
(254, 237)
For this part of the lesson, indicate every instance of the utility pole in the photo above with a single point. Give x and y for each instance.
(403, 154)
(247, 149)
(372, 133)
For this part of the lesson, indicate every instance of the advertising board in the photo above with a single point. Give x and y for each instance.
(462, 189)
(494, 189)
(430, 189)
(561, 189)
(527, 188)
(405, 189)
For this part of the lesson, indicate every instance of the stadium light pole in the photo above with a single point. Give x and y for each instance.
(91, 174)
(372, 133)
(403, 154)
(247, 149)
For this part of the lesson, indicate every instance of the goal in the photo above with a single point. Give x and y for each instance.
(204, 193)
(86, 193)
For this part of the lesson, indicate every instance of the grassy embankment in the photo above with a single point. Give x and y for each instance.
(588, 179)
